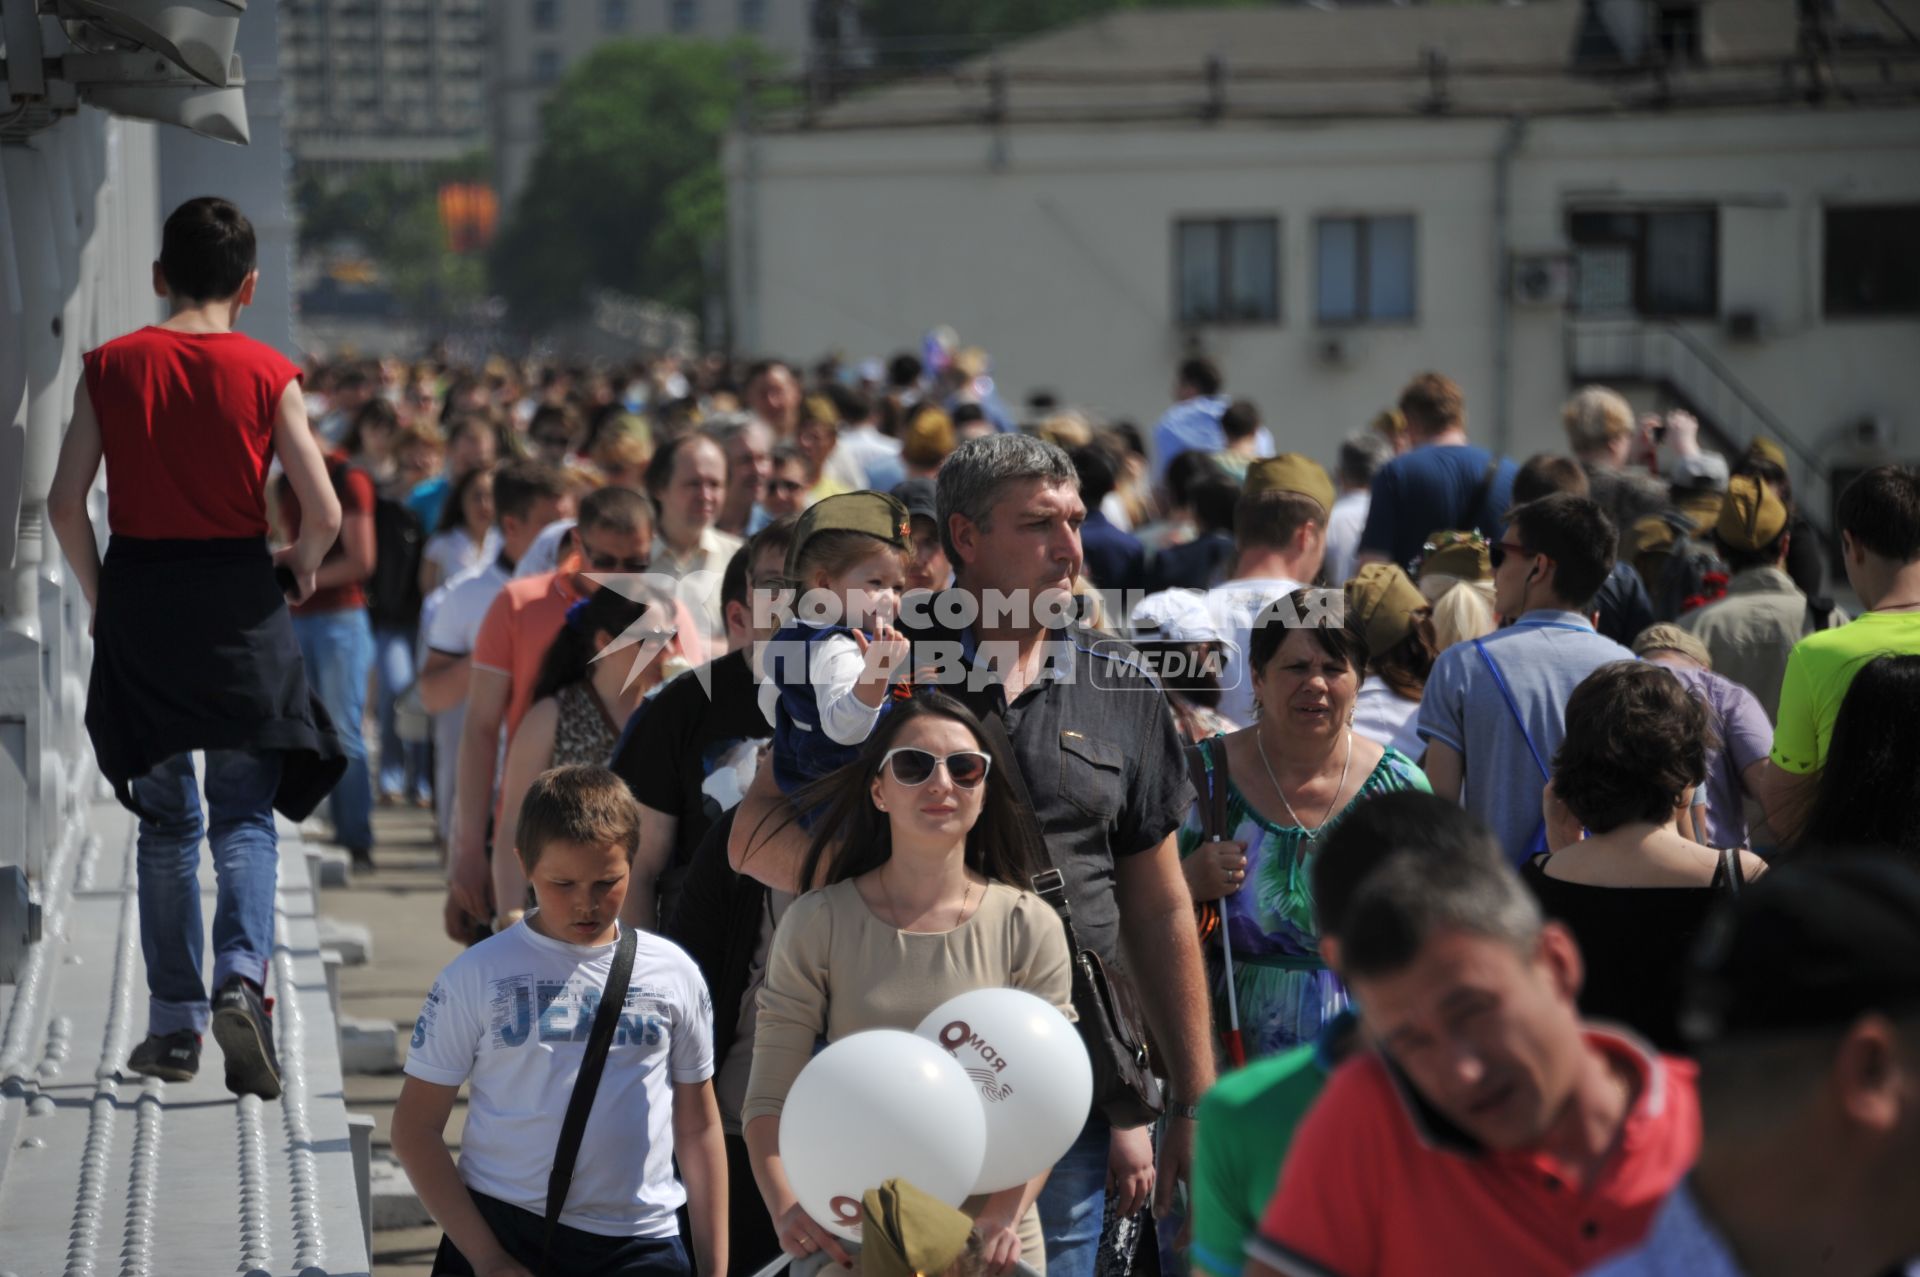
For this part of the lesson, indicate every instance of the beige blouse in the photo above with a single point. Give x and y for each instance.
(836, 969)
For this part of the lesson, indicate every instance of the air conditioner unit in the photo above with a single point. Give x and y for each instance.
(1333, 350)
(1541, 279)
(1745, 324)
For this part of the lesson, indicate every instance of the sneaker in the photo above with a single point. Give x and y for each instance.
(173, 1057)
(362, 858)
(243, 1026)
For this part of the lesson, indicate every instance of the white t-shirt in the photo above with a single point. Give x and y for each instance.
(1234, 607)
(1385, 717)
(454, 551)
(512, 1015)
(451, 616)
(1345, 523)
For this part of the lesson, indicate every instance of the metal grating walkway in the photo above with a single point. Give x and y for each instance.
(104, 1172)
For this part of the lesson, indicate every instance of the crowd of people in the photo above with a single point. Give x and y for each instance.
(1524, 845)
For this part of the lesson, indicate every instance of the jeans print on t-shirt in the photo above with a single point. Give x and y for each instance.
(565, 1013)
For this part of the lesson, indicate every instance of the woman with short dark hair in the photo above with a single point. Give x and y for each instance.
(1634, 891)
(1290, 779)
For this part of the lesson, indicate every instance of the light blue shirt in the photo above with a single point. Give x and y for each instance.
(1681, 1243)
(1542, 658)
(1195, 423)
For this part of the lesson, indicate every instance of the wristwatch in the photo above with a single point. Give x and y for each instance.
(1189, 1111)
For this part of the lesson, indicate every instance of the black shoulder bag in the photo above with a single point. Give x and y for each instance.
(1125, 1089)
(574, 1126)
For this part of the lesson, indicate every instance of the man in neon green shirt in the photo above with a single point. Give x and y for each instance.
(1879, 518)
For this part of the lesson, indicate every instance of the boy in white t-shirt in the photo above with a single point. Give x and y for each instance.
(512, 1016)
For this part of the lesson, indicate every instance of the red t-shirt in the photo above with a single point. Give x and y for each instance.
(355, 490)
(1369, 1187)
(186, 427)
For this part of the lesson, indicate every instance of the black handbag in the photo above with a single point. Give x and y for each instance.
(1126, 1090)
(606, 1018)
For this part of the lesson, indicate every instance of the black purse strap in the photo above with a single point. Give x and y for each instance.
(605, 1020)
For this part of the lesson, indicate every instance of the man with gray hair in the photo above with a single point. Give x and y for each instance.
(748, 446)
(1490, 1130)
(1105, 771)
(1361, 455)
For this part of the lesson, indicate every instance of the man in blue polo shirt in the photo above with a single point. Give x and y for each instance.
(1194, 419)
(1443, 484)
(1495, 708)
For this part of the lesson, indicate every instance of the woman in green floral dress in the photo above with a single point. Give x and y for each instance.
(1292, 777)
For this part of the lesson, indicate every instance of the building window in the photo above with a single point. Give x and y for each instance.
(613, 16)
(1366, 270)
(753, 15)
(1660, 264)
(1873, 260)
(682, 15)
(1228, 270)
(546, 15)
(546, 66)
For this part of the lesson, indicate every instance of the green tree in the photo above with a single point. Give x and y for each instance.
(394, 215)
(625, 192)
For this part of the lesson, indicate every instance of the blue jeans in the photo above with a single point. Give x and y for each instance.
(403, 765)
(1073, 1203)
(338, 650)
(246, 867)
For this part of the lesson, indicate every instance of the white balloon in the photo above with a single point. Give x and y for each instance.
(1032, 1074)
(874, 1106)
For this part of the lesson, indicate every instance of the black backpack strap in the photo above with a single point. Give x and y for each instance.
(1731, 875)
(1471, 519)
(607, 1018)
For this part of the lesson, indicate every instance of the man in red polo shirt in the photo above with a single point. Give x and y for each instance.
(1491, 1132)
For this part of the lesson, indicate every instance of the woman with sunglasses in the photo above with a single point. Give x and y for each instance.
(920, 849)
(580, 702)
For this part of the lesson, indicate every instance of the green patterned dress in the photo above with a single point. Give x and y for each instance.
(1285, 993)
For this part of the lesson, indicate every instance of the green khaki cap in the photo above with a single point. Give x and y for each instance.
(1381, 602)
(1752, 515)
(1462, 555)
(874, 513)
(1290, 472)
(1765, 449)
(906, 1233)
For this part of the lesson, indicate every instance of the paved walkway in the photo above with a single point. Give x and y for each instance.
(399, 903)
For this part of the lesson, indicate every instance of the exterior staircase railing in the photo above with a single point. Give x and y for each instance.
(1682, 365)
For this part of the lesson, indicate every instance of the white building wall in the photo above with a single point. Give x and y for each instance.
(1054, 249)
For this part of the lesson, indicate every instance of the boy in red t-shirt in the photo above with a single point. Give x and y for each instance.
(193, 646)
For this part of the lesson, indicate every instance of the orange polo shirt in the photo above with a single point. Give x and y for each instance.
(1376, 1185)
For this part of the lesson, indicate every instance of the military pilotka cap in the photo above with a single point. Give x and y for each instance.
(1765, 449)
(874, 513)
(1290, 472)
(1463, 555)
(1752, 516)
(907, 1233)
(1812, 945)
(1381, 602)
